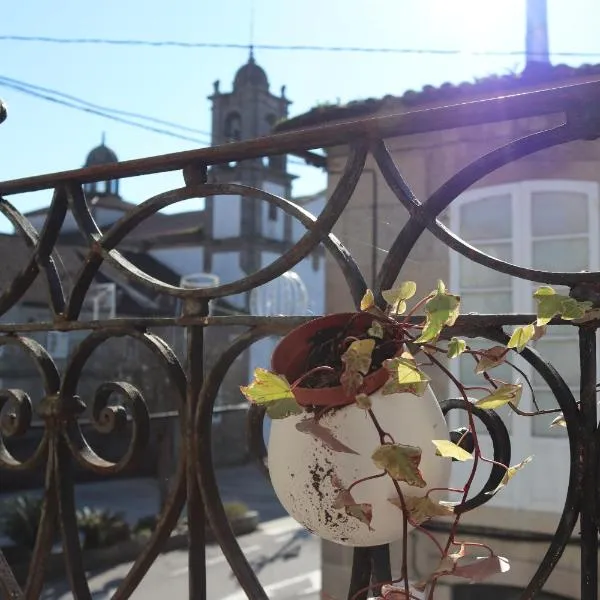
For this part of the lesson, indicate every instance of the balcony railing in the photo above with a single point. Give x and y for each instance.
(195, 487)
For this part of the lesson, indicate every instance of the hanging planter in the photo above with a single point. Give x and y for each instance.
(359, 451)
(359, 409)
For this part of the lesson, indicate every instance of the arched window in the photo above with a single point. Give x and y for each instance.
(233, 127)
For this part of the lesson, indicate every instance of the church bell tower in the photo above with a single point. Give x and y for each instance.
(249, 111)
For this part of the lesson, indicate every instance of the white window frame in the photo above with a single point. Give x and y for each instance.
(523, 439)
(522, 240)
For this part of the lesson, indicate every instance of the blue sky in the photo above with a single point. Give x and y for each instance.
(173, 83)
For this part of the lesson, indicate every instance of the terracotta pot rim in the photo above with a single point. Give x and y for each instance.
(289, 351)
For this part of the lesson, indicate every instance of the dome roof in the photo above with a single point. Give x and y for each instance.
(101, 155)
(251, 74)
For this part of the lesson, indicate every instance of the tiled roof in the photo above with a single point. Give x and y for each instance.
(67, 260)
(135, 298)
(494, 85)
(111, 201)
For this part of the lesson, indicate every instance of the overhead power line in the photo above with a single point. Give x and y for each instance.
(279, 47)
(8, 81)
(104, 112)
(114, 114)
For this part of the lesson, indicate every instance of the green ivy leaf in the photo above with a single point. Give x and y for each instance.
(510, 473)
(490, 358)
(401, 463)
(550, 304)
(449, 449)
(440, 310)
(376, 330)
(572, 309)
(357, 362)
(396, 297)
(520, 337)
(274, 392)
(456, 347)
(267, 387)
(422, 509)
(280, 409)
(507, 392)
(405, 376)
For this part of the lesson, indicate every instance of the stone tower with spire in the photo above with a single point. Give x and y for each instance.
(248, 226)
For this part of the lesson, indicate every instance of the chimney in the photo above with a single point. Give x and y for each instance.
(537, 34)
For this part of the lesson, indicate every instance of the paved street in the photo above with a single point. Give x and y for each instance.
(285, 557)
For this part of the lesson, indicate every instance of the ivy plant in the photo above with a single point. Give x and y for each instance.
(417, 343)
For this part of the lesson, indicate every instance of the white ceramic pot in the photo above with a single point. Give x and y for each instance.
(301, 466)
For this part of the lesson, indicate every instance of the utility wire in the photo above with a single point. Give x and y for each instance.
(8, 81)
(278, 47)
(95, 111)
(114, 114)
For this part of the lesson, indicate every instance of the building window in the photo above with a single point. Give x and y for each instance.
(548, 225)
(233, 127)
(58, 344)
(272, 212)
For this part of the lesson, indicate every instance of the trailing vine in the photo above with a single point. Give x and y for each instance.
(404, 346)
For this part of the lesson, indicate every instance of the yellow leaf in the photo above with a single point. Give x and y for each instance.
(559, 421)
(357, 362)
(448, 449)
(507, 392)
(267, 387)
(405, 376)
(520, 336)
(376, 330)
(396, 297)
(358, 355)
(510, 473)
(456, 347)
(368, 300)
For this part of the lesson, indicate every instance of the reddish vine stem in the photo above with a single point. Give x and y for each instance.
(474, 545)
(404, 567)
(415, 308)
(311, 372)
(380, 431)
(367, 588)
(477, 454)
(457, 490)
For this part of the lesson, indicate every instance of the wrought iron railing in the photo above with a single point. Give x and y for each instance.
(63, 443)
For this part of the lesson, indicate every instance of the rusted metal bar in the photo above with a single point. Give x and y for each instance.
(504, 108)
(195, 507)
(275, 325)
(589, 463)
